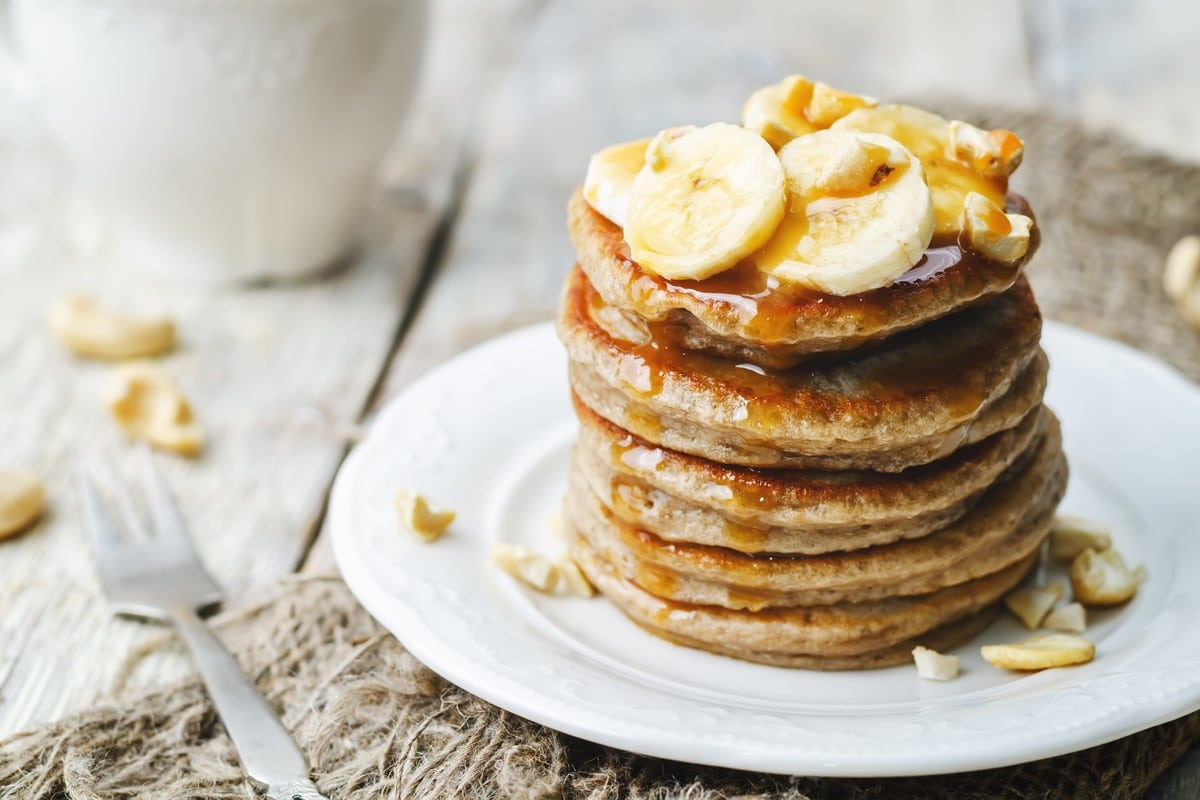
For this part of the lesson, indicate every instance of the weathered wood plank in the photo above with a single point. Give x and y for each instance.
(1129, 65)
(269, 372)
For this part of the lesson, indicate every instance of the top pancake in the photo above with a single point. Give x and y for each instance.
(745, 314)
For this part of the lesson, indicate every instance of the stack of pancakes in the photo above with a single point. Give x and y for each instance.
(803, 479)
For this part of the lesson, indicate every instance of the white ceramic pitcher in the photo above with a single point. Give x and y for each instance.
(228, 140)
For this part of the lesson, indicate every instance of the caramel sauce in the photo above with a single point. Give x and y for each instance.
(656, 579)
(769, 309)
(744, 538)
(935, 364)
(664, 583)
(628, 500)
(649, 424)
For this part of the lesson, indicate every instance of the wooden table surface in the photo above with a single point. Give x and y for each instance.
(468, 240)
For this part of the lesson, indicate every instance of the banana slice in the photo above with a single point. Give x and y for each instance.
(707, 198)
(859, 213)
(796, 106)
(950, 177)
(609, 178)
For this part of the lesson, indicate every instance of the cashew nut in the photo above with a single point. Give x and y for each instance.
(21, 501)
(935, 666)
(538, 572)
(148, 405)
(1072, 534)
(1032, 605)
(1102, 578)
(92, 330)
(1040, 652)
(1071, 618)
(530, 568)
(427, 522)
(1181, 278)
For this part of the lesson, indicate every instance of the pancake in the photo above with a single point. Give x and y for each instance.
(1009, 523)
(917, 397)
(744, 314)
(839, 631)
(942, 639)
(685, 498)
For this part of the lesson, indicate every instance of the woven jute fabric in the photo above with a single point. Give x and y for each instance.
(378, 724)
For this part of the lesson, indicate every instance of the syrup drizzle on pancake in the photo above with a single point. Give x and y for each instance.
(767, 306)
(888, 375)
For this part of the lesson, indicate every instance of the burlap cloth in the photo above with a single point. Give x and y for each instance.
(377, 724)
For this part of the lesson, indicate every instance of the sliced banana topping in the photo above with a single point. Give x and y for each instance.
(859, 213)
(1040, 652)
(609, 178)
(928, 137)
(796, 106)
(705, 200)
(991, 232)
(993, 154)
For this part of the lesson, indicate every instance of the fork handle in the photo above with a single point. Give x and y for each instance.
(266, 748)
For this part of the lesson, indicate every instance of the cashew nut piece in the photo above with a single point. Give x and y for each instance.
(935, 666)
(529, 567)
(1044, 651)
(21, 501)
(1101, 578)
(1033, 604)
(573, 581)
(538, 572)
(148, 405)
(1071, 618)
(427, 522)
(1181, 278)
(89, 329)
(1072, 534)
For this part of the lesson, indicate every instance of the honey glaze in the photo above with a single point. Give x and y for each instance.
(772, 311)
(950, 362)
(665, 584)
(743, 490)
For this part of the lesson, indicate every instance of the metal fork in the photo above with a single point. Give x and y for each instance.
(160, 577)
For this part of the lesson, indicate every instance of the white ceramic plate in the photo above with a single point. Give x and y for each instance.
(488, 435)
